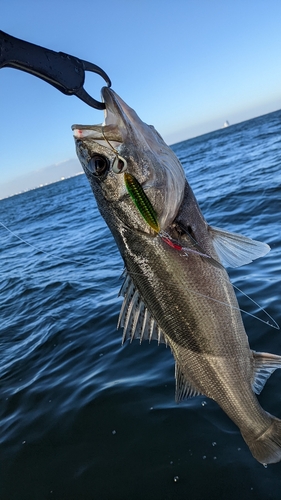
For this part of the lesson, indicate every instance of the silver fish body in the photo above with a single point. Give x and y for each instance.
(176, 289)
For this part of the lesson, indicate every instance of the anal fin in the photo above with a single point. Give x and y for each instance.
(264, 365)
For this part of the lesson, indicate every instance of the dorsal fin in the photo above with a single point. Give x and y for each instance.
(184, 389)
(264, 365)
(134, 316)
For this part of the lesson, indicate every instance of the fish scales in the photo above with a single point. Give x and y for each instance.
(176, 287)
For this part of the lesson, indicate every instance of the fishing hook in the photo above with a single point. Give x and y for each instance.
(119, 164)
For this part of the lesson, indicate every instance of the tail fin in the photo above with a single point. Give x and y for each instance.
(267, 447)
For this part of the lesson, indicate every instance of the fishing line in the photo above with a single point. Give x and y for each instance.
(40, 250)
(177, 246)
(110, 145)
(275, 325)
(186, 250)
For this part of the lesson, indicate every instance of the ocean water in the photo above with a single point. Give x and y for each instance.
(84, 418)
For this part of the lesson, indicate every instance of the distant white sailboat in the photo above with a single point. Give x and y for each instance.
(226, 124)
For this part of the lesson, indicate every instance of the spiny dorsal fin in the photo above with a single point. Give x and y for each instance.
(264, 365)
(184, 389)
(134, 316)
(236, 250)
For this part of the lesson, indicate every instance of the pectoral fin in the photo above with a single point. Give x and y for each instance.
(236, 250)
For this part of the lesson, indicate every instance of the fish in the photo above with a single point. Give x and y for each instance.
(176, 289)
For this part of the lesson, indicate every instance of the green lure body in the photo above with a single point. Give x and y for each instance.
(141, 201)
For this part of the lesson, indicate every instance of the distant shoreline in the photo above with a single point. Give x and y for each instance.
(63, 178)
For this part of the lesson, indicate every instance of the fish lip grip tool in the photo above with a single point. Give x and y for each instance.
(63, 71)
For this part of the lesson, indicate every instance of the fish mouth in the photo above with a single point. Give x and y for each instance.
(113, 128)
(113, 108)
(120, 117)
(120, 122)
(117, 113)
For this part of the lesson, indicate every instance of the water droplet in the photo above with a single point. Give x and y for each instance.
(214, 458)
(101, 354)
(265, 466)
(171, 463)
(23, 442)
(204, 457)
(113, 432)
(214, 443)
(252, 489)
(204, 403)
(176, 479)
(239, 449)
(151, 408)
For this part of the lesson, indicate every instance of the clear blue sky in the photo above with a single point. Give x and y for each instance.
(185, 66)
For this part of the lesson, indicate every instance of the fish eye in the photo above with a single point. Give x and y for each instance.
(119, 165)
(98, 165)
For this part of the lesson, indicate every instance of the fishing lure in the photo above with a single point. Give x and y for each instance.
(146, 209)
(141, 201)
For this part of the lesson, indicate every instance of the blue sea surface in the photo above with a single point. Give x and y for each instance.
(85, 418)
